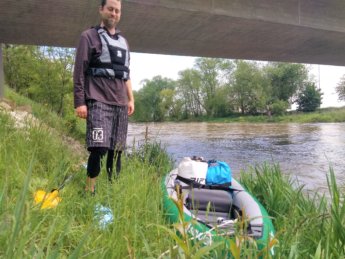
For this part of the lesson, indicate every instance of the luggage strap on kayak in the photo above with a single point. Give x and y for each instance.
(194, 184)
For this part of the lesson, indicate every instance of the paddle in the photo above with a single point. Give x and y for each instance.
(49, 200)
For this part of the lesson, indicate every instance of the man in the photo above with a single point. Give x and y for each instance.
(103, 91)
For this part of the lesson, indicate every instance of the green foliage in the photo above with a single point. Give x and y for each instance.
(42, 73)
(286, 79)
(170, 106)
(309, 98)
(340, 89)
(220, 88)
(248, 89)
(321, 115)
(54, 84)
(151, 103)
(222, 106)
(279, 107)
(190, 93)
(153, 154)
(208, 73)
(33, 159)
(20, 63)
(335, 240)
(305, 223)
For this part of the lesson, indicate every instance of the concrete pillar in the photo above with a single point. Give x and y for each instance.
(2, 80)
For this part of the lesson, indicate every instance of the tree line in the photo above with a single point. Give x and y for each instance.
(212, 88)
(219, 87)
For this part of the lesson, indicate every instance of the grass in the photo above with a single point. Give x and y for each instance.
(307, 225)
(324, 115)
(68, 125)
(33, 159)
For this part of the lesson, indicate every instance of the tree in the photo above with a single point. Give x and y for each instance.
(223, 106)
(248, 89)
(286, 80)
(212, 72)
(167, 106)
(309, 99)
(20, 67)
(189, 93)
(55, 81)
(149, 98)
(340, 89)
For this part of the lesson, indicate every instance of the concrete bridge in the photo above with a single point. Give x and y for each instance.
(304, 31)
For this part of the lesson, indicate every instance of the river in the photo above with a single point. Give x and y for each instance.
(305, 151)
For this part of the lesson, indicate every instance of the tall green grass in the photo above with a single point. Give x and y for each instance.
(307, 225)
(35, 158)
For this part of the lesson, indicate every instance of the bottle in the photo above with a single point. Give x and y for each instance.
(103, 216)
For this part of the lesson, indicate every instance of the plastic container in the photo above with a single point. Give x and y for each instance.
(103, 216)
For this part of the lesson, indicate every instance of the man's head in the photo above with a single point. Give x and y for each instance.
(110, 11)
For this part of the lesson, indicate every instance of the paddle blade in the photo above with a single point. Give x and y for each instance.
(47, 200)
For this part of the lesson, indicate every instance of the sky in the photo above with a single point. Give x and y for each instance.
(147, 66)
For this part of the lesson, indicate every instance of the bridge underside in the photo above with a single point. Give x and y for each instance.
(198, 34)
(305, 31)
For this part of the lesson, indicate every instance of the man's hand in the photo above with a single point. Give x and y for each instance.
(130, 108)
(81, 111)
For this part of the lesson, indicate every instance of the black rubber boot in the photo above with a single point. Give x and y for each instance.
(109, 165)
(118, 162)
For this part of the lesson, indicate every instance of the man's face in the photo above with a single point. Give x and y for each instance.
(110, 13)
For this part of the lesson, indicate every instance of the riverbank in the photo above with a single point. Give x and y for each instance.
(324, 115)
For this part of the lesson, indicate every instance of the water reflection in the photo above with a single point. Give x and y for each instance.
(303, 150)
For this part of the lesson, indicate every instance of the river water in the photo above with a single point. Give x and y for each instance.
(305, 151)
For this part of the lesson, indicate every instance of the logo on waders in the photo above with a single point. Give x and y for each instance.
(97, 135)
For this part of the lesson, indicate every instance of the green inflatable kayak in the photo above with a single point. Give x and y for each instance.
(215, 212)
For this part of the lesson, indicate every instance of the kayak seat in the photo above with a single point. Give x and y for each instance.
(209, 200)
(210, 206)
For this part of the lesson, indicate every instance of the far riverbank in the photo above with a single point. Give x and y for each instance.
(324, 115)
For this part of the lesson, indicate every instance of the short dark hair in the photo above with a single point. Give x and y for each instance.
(103, 2)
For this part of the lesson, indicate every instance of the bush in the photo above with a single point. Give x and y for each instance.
(279, 107)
